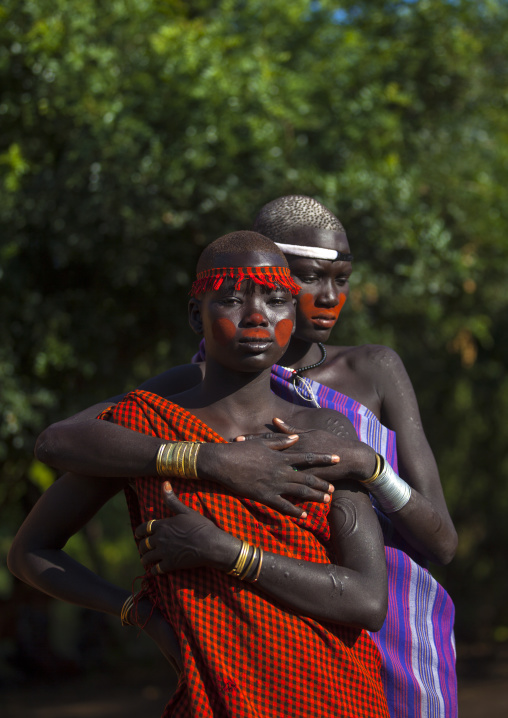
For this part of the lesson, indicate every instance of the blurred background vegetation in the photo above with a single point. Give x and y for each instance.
(133, 132)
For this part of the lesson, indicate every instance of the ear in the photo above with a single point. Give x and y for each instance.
(195, 320)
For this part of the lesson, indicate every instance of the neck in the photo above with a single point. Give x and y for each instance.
(236, 394)
(300, 353)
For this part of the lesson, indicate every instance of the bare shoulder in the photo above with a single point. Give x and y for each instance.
(175, 380)
(365, 356)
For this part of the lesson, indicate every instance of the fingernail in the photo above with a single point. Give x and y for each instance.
(327, 498)
(293, 436)
(167, 487)
(335, 459)
(331, 489)
(240, 438)
(304, 515)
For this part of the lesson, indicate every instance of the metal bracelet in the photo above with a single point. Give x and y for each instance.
(390, 491)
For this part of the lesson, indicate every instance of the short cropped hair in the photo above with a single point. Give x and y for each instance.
(236, 243)
(281, 216)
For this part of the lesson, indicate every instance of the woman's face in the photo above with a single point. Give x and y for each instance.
(247, 329)
(324, 284)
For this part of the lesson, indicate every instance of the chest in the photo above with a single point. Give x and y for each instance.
(349, 376)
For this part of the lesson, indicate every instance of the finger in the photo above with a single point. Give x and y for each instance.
(146, 544)
(172, 501)
(287, 428)
(142, 529)
(286, 507)
(311, 481)
(305, 493)
(310, 458)
(150, 558)
(277, 442)
(244, 437)
(157, 570)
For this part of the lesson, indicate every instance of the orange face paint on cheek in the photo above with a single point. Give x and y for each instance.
(283, 331)
(309, 309)
(342, 301)
(223, 331)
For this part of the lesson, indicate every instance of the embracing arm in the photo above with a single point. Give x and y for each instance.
(354, 592)
(85, 445)
(37, 557)
(424, 521)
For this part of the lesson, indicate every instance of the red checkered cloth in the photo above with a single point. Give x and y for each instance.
(245, 654)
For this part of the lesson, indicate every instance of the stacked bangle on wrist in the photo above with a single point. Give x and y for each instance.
(178, 458)
(390, 491)
(126, 611)
(247, 566)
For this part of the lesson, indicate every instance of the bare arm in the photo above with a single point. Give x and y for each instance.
(424, 522)
(84, 445)
(81, 444)
(353, 592)
(37, 556)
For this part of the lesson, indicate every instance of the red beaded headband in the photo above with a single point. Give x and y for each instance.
(272, 277)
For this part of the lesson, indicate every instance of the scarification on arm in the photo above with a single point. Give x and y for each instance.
(346, 517)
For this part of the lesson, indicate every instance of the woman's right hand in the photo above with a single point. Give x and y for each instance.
(185, 540)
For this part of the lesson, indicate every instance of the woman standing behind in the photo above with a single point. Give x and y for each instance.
(370, 385)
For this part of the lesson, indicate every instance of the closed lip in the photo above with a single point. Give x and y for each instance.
(258, 338)
(327, 315)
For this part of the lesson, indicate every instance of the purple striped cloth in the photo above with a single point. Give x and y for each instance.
(416, 642)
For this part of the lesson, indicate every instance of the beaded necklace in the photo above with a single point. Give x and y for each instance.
(301, 382)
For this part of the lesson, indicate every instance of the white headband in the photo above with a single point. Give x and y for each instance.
(314, 252)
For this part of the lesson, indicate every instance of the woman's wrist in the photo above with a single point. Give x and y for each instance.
(368, 462)
(222, 550)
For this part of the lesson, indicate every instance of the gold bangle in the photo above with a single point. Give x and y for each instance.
(158, 464)
(376, 472)
(240, 560)
(249, 565)
(261, 552)
(193, 459)
(180, 459)
(162, 457)
(126, 609)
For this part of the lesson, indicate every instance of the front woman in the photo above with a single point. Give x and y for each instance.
(254, 598)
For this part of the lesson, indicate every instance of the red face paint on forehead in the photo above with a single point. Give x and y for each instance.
(309, 309)
(223, 331)
(283, 331)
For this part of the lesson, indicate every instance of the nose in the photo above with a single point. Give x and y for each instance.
(254, 319)
(328, 295)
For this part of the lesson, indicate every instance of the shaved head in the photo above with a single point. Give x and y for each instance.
(280, 218)
(231, 250)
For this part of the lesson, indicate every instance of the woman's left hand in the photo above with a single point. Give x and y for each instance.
(185, 540)
(357, 460)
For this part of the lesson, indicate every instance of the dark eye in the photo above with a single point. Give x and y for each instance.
(307, 278)
(341, 281)
(229, 300)
(278, 301)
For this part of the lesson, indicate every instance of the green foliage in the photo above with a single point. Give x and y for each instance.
(136, 131)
